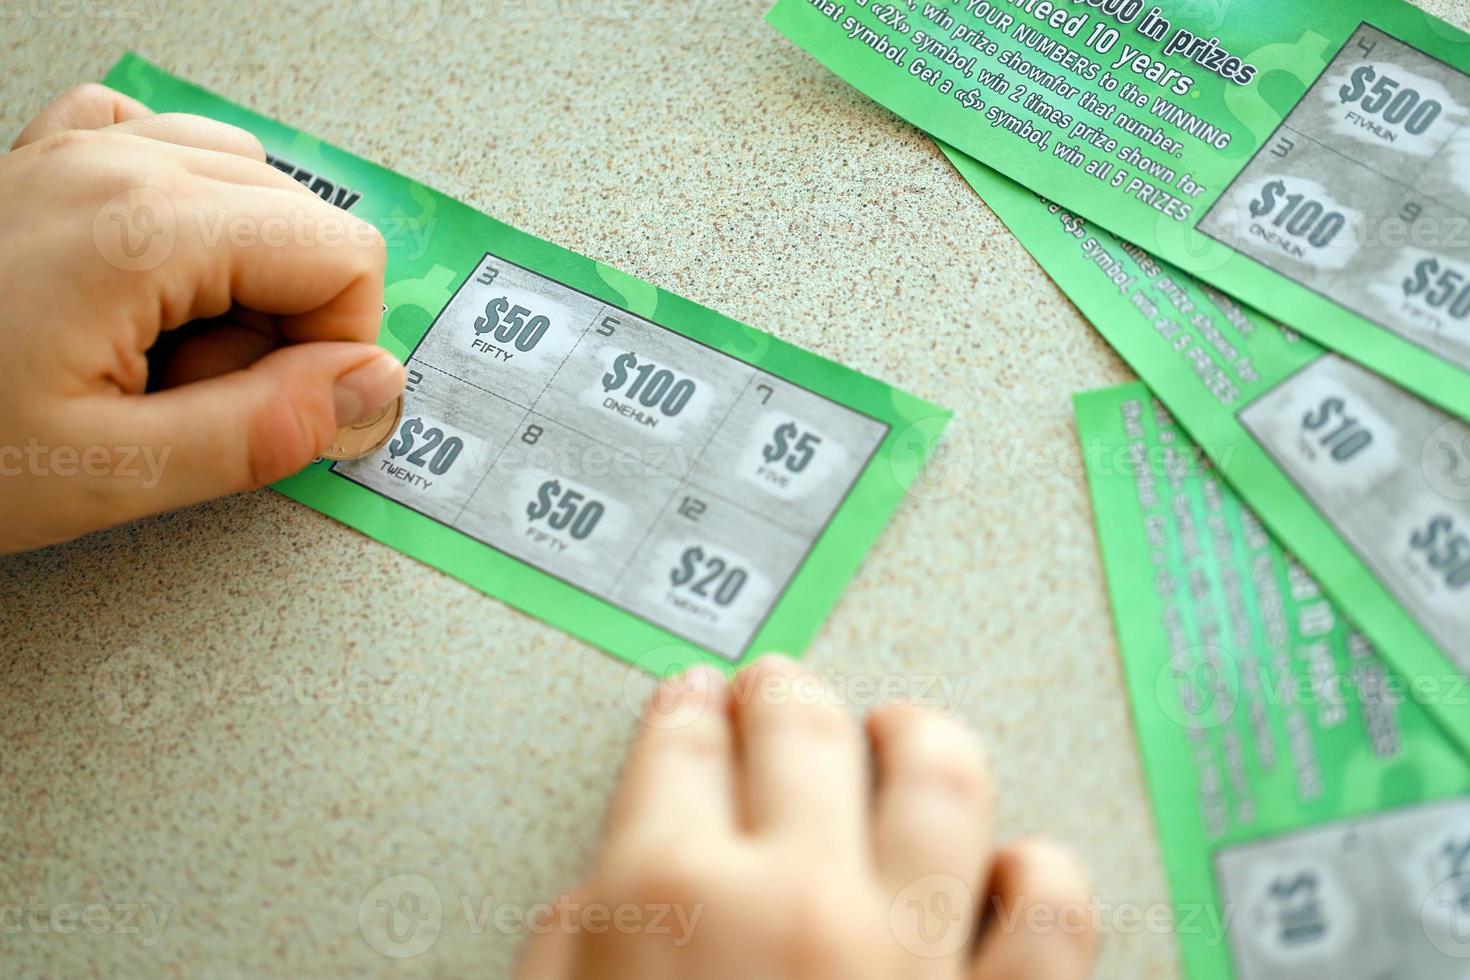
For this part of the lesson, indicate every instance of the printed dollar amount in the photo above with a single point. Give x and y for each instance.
(1364, 454)
(709, 576)
(1310, 906)
(566, 510)
(649, 384)
(425, 446)
(674, 483)
(1342, 435)
(1452, 864)
(1440, 288)
(791, 447)
(1299, 215)
(512, 324)
(1445, 549)
(1397, 104)
(1300, 918)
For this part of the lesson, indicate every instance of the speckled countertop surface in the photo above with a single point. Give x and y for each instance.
(324, 713)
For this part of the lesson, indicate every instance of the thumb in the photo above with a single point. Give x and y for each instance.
(247, 428)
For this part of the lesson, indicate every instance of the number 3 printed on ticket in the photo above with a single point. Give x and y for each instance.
(642, 472)
(1310, 159)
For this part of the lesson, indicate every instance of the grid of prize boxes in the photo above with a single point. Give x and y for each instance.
(673, 480)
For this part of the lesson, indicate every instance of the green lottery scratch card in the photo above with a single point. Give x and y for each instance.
(1310, 158)
(1314, 820)
(639, 471)
(1368, 485)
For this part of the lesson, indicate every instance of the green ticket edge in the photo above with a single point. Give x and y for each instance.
(1166, 757)
(420, 285)
(1430, 768)
(1291, 43)
(1290, 516)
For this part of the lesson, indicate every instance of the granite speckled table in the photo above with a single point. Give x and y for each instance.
(323, 713)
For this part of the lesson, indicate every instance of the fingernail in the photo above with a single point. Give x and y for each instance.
(367, 388)
(703, 678)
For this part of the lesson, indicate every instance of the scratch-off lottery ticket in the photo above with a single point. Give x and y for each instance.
(642, 472)
(1315, 821)
(1309, 158)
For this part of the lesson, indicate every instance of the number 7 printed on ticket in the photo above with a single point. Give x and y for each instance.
(646, 474)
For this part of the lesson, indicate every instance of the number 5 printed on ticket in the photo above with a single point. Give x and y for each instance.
(1311, 158)
(639, 471)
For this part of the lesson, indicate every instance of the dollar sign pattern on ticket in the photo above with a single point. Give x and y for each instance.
(672, 480)
(1361, 194)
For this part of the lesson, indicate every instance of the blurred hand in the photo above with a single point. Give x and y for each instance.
(121, 225)
(749, 841)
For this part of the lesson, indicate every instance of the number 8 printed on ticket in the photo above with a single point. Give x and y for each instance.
(1309, 159)
(646, 474)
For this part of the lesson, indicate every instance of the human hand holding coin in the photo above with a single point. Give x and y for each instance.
(367, 436)
(127, 228)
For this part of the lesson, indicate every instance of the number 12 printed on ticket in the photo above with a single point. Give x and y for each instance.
(639, 471)
(1311, 158)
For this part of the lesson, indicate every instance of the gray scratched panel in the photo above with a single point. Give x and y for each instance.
(1382, 140)
(710, 573)
(579, 449)
(1391, 473)
(788, 453)
(588, 550)
(646, 389)
(439, 412)
(1380, 898)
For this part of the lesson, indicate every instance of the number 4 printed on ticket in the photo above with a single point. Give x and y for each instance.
(1311, 158)
(644, 473)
